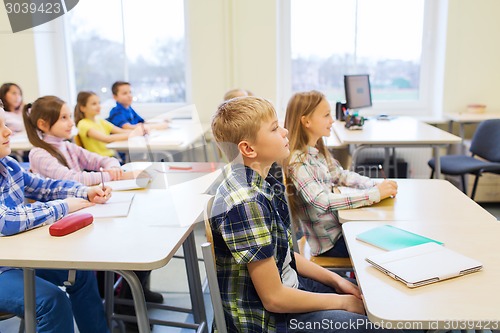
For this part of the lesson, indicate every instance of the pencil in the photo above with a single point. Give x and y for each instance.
(102, 177)
(381, 171)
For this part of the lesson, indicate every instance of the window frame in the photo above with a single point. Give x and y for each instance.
(429, 104)
(54, 55)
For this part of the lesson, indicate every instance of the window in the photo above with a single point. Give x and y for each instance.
(382, 38)
(142, 42)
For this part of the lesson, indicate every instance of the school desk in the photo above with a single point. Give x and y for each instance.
(146, 239)
(463, 303)
(181, 136)
(418, 200)
(397, 132)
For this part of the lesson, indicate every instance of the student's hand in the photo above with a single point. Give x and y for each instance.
(75, 204)
(388, 188)
(97, 195)
(353, 304)
(344, 286)
(115, 173)
(130, 175)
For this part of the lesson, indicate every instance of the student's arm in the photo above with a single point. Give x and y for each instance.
(278, 298)
(119, 130)
(129, 126)
(108, 138)
(43, 163)
(315, 272)
(21, 217)
(313, 192)
(246, 232)
(348, 178)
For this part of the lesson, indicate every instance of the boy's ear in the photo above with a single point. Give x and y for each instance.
(42, 125)
(246, 150)
(304, 121)
(115, 97)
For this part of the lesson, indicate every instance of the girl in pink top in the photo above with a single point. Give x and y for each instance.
(49, 125)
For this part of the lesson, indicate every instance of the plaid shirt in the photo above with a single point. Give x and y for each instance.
(314, 178)
(16, 184)
(249, 223)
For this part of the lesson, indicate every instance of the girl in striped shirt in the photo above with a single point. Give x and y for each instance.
(311, 174)
(49, 127)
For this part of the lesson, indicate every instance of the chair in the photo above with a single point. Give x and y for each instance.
(78, 141)
(301, 246)
(331, 263)
(209, 260)
(6, 315)
(485, 145)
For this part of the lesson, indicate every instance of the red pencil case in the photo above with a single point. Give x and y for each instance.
(70, 224)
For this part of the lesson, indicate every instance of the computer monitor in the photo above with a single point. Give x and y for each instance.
(357, 91)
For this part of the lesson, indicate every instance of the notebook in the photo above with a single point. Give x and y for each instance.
(391, 238)
(424, 264)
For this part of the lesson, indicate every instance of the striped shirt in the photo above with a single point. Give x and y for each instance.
(313, 178)
(16, 184)
(249, 223)
(83, 164)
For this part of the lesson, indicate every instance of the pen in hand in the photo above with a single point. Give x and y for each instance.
(382, 173)
(102, 179)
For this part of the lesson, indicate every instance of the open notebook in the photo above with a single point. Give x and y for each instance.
(422, 264)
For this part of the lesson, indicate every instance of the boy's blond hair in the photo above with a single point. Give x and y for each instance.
(239, 119)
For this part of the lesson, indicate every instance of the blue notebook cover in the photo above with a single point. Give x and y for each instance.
(391, 238)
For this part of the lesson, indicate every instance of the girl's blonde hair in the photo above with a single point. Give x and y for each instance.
(81, 100)
(47, 108)
(300, 104)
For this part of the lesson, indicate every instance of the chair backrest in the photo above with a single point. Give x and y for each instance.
(209, 260)
(486, 140)
(78, 141)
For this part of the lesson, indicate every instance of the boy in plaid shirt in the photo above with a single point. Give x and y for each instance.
(265, 286)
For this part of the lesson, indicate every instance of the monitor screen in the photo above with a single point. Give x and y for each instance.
(357, 91)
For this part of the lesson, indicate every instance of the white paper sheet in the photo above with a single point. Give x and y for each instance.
(117, 206)
(128, 184)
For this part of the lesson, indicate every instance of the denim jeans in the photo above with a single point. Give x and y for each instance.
(339, 250)
(54, 310)
(328, 320)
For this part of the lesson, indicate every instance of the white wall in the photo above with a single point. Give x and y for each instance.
(234, 44)
(17, 58)
(472, 63)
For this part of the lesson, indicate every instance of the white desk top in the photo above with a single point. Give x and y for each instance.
(467, 117)
(180, 136)
(399, 131)
(421, 199)
(469, 298)
(146, 239)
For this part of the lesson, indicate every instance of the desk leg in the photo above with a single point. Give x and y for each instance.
(29, 300)
(462, 135)
(194, 281)
(139, 301)
(395, 162)
(437, 166)
(387, 160)
(109, 296)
